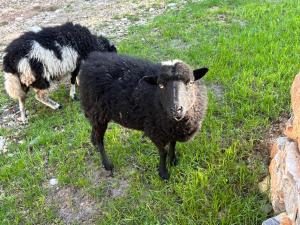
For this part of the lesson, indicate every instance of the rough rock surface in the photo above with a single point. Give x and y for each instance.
(293, 126)
(285, 165)
(285, 178)
(281, 219)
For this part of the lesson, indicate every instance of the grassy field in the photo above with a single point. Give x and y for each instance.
(253, 51)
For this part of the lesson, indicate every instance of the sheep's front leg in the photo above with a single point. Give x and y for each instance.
(172, 154)
(42, 96)
(163, 152)
(97, 139)
(163, 171)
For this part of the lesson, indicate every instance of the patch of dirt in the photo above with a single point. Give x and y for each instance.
(96, 173)
(179, 44)
(114, 187)
(214, 8)
(107, 17)
(240, 22)
(117, 188)
(222, 18)
(263, 146)
(73, 205)
(218, 91)
(9, 117)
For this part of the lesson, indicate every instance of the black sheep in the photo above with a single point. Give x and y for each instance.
(38, 57)
(164, 100)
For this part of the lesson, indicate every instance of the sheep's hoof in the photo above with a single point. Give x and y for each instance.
(164, 174)
(108, 165)
(24, 121)
(174, 161)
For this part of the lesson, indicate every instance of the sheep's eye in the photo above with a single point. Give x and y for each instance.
(161, 86)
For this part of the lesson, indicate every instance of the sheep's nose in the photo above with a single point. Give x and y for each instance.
(177, 113)
(179, 109)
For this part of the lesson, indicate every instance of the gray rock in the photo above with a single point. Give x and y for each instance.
(172, 5)
(53, 181)
(2, 143)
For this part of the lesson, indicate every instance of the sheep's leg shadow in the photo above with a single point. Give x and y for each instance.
(172, 154)
(97, 139)
(42, 96)
(22, 109)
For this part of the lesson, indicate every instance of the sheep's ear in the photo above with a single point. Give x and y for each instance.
(150, 79)
(199, 73)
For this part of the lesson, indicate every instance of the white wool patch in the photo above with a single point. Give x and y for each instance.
(53, 66)
(26, 75)
(13, 86)
(170, 62)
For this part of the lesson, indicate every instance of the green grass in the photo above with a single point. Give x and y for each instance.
(253, 51)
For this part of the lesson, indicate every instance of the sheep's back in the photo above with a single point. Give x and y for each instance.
(109, 83)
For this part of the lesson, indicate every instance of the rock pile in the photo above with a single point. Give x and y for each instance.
(285, 167)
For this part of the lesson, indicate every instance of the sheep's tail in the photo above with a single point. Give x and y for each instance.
(13, 86)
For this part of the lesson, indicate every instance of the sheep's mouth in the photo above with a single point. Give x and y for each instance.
(177, 117)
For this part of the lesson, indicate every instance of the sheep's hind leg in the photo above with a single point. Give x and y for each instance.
(73, 92)
(42, 96)
(22, 109)
(73, 81)
(172, 154)
(97, 139)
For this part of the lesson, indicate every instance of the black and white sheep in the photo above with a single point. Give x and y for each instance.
(38, 57)
(167, 100)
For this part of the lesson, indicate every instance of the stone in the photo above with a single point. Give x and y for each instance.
(2, 144)
(276, 220)
(279, 144)
(172, 5)
(285, 178)
(293, 125)
(286, 221)
(53, 182)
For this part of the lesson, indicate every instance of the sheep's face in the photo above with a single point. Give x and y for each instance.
(175, 88)
(106, 45)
